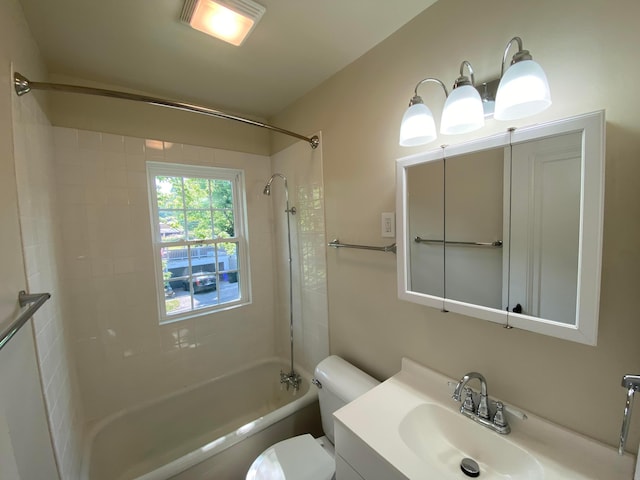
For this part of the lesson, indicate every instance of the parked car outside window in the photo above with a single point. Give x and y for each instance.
(201, 282)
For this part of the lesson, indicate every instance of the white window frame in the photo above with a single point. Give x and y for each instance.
(236, 177)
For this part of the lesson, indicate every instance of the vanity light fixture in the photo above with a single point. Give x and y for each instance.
(228, 20)
(463, 111)
(521, 91)
(418, 127)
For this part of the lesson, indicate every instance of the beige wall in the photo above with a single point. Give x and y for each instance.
(588, 49)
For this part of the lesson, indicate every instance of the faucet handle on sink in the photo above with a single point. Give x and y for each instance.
(468, 404)
(499, 419)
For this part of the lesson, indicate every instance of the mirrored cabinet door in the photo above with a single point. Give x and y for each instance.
(474, 213)
(545, 227)
(425, 200)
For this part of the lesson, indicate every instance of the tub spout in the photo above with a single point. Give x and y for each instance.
(291, 379)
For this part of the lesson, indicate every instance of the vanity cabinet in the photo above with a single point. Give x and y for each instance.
(355, 460)
(508, 228)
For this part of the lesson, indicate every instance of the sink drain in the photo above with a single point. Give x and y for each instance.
(470, 467)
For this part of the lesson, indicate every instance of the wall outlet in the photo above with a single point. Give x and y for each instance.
(388, 224)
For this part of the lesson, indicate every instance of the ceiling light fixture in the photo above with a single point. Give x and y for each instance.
(521, 91)
(228, 20)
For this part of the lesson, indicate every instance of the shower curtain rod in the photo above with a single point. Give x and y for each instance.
(23, 86)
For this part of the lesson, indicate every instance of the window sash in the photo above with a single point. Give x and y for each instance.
(239, 214)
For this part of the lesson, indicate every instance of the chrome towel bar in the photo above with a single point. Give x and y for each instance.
(336, 244)
(34, 301)
(496, 244)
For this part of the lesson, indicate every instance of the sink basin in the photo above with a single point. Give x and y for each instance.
(443, 438)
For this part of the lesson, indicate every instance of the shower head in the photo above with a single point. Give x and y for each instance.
(267, 187)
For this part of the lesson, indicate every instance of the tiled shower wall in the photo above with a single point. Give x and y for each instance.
(38, 210)
(303, 168)
(124, 357)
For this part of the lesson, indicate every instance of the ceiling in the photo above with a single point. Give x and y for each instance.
(141, 45)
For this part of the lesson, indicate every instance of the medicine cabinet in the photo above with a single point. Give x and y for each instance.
(508, 228)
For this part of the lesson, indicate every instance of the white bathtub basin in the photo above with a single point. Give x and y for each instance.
(410, 427)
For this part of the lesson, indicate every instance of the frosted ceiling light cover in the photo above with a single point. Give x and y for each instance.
(228, 20)
(523, 91)
(417, 127)
(462, 112)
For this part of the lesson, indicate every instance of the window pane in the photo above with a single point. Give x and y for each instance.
(222, 194)
(196, 193)
(204, 281)
(199, 224)
(169, 192)
(228, 267)
(223, 224)
(171, 224)
(175, 300)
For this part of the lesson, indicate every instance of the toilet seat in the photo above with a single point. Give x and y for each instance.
(296, 458)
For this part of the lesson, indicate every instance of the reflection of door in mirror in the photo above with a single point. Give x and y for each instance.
(545, 227)
(474, 227)
(425, 202)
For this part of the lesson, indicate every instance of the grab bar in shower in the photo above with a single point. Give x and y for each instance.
(496, 244)
(336, 244)
(34, 301)
(632, 384)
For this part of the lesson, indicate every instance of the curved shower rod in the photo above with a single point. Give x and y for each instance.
(23, 86)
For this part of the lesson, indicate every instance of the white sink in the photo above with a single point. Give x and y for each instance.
(443, 438)
(409, 427)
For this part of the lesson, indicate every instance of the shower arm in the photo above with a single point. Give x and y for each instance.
(23, 86)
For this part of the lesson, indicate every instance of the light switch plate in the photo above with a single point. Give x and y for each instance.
(388, 224)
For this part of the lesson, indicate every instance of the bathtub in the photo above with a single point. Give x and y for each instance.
(212, 430)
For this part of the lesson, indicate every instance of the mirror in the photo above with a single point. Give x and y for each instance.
(508, 228)
(474, 227)
(425, 198)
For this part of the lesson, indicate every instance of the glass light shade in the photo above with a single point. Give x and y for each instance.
(462, 112)
(221, 22)
(523, 91)
(418, 126)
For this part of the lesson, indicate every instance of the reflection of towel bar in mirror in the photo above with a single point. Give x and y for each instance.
(496, 244)
(336, 244)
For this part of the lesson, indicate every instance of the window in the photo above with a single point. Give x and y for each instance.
(199, 239)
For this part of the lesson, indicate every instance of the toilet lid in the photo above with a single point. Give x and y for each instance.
(297, 458)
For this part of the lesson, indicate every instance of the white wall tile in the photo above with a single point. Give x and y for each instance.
(43, 213)
(124, 356)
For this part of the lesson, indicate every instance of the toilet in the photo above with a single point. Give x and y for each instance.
(304, 457)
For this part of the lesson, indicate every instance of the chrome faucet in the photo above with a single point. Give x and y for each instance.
(632, 384)
(481, 414)
(291, 379)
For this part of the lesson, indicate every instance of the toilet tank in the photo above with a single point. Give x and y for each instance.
(341, 383)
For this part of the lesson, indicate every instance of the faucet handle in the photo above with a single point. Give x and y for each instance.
(499, 418)
(468, 404)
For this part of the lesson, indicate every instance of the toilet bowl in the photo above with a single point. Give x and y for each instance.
(304, 457)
